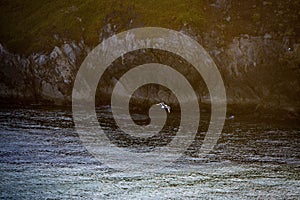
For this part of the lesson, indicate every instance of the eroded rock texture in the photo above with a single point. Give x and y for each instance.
(259, 65)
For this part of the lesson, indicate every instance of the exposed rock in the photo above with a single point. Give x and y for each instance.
(228, 19)
(256, 69)
(40, 77)
(222, 4)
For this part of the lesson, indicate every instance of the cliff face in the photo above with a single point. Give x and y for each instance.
(259, 65)
(40, 78)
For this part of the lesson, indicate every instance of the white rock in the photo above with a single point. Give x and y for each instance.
(55, 53)
(228, 19)
(68, 50)
(2, 50)
(267, 36)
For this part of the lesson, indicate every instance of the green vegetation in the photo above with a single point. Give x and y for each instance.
(256, 17)
(37, 25)
(30, 25)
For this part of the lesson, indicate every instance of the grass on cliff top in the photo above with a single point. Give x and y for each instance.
(29, 26)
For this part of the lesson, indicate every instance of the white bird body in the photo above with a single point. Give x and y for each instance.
(164, 106)
(231, 117)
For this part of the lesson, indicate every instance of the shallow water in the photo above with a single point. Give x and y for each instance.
(41, 156)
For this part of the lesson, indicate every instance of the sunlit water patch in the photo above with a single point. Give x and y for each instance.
(42, 157)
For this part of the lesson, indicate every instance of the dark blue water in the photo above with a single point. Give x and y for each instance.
(42, 157)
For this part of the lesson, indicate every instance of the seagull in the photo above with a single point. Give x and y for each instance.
(231, 117)
(164, 106)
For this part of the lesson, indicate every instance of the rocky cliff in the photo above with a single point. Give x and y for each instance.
(255, 45)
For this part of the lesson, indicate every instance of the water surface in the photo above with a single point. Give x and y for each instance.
(42, 157)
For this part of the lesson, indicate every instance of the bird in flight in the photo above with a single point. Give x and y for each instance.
(164, 106)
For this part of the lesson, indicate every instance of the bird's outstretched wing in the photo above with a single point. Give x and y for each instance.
(164, 106)
(168, 108)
